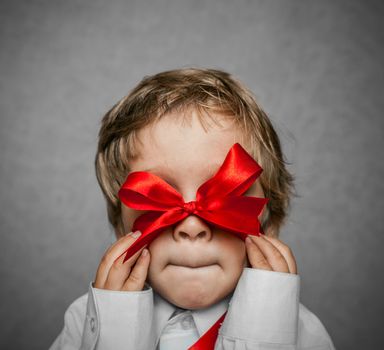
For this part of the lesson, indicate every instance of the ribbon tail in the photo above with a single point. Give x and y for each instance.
(150, 224)
(208, 339)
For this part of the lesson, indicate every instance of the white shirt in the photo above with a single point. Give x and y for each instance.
(180, 331)
(264, 312)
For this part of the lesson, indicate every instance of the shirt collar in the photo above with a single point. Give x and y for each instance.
(203, 318)
(161, 313)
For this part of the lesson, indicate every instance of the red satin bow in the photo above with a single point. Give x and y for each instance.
(219, 200)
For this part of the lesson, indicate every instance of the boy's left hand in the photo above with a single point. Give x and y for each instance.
(269, 253)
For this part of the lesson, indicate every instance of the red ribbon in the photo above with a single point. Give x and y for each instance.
(208, 339)
(219, 201)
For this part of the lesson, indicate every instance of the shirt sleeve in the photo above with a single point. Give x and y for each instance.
(264, 313)
(108, 320)
(70, 336)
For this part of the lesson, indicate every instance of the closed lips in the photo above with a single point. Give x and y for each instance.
(195, 265)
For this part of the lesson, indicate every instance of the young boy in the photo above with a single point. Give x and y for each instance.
(194, 284)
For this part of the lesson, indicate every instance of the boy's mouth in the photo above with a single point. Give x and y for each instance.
(194, 265)
(195, 268)
(193, 262)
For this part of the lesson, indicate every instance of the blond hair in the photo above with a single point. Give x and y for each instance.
(204, 90)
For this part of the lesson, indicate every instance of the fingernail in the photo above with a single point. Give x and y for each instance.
(248, 240)
(136, 234)
(145, 252)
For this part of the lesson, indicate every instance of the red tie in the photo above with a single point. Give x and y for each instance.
(219, 201)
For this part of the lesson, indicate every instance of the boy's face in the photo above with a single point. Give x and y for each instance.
(193, 264)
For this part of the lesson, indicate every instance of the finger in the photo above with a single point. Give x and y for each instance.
(112, 253)
(271, 253)
(136, 279)
(119, 271)
(286, 252)
(255, 256)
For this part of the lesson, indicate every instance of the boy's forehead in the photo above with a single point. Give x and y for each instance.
(187, 129)
(166, 144)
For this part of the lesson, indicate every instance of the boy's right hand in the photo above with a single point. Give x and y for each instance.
(112, 274)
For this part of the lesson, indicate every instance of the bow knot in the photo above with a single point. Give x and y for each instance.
(190, 207)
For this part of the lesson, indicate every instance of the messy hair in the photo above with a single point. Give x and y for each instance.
(205, 91)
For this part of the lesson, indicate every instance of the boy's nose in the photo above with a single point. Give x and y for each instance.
(192, 228)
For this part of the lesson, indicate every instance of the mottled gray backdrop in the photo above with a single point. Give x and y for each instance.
(315, 66)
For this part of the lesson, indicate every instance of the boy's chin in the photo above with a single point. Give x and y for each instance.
(193, 295)
(193, 288)
(189, 300)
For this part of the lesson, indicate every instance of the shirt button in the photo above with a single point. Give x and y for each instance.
(92, 324)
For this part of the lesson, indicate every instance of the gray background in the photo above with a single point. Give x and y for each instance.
(316, 68)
